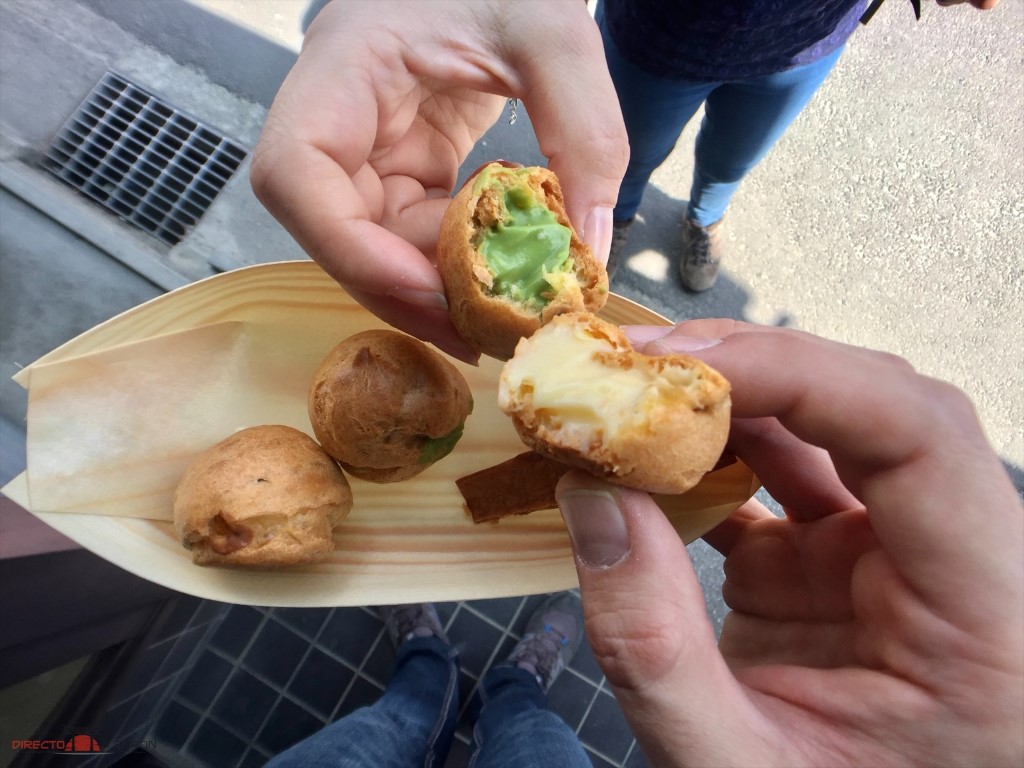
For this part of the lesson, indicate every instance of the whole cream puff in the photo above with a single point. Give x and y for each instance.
(264, 497)
(386, 406)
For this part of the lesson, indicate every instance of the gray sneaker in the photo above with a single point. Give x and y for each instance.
(702, 255)
(404, 622)
(620, 233)
(553, 633)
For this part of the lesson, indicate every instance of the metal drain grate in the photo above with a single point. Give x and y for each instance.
(143, 159)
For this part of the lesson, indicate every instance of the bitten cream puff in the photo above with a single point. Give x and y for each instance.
(510, 259)
(579, 393)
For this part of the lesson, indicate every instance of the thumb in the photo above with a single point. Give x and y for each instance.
(647, 625)
(571, 100)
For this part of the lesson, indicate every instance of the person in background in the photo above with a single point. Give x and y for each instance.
(753, 65)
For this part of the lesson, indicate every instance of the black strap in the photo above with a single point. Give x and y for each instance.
(871, 10)
(876, 4)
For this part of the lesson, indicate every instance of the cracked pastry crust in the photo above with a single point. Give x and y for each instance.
(265, 497)
(578, 392)
(493, 323)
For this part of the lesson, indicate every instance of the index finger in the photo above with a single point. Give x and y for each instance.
(909, 447)
(801, 477)
(310, 172)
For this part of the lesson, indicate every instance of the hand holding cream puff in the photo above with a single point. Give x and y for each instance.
(510, 259)
(579, 393)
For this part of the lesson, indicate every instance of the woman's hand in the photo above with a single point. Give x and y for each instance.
(363, 144)
(881, 622)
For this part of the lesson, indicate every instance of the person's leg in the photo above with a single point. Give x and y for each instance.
(655, 111)
(515, 727)
(410, 726)
(742, 121)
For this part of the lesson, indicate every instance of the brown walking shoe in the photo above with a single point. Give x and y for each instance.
(404, 622)
(553, 634)
(702, 255)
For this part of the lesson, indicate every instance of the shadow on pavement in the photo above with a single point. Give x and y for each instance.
(1016, 476)
(649, 268)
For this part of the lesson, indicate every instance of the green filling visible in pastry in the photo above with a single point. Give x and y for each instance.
(527, 252)
(439, 447)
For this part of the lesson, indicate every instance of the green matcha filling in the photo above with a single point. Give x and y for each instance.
(439, 447)
(527, 247)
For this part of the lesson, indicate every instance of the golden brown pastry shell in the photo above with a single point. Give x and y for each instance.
(493, 324)
(264, 497)
(379, 397)
(673, 449)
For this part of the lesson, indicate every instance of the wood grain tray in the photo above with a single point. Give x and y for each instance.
(117, 413)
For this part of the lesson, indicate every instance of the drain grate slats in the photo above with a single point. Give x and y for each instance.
(142, 158)
(106, 133)
(113, 170)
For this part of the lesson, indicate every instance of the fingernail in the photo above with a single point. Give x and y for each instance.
(639, 335)
(417, 298)
(597, 232)
(669, 344)
(596, 526)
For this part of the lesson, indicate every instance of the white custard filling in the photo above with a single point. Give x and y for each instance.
(566, 376)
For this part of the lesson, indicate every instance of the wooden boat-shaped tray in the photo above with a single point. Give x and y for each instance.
(116, 414)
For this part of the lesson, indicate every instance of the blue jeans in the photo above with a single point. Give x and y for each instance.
(412, 724)
(742, 120)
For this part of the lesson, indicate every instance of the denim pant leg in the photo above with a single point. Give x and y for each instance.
(655, 111)
(742, 120)
(515, 728)
(410, 726)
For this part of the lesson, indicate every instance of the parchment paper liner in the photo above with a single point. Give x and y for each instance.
(117, 413)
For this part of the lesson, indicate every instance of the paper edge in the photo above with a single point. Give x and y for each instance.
(58, 354)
